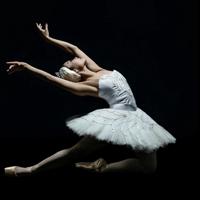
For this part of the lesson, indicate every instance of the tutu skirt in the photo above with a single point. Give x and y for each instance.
(121, 127)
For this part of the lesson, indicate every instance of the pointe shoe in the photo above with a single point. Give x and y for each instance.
(10, 171)
(17, 171)
(97, 165)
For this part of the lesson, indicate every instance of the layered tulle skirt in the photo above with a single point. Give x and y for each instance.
(121, 127)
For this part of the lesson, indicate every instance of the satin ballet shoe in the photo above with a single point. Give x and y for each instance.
(97, 165)
(16, 171)
(10, 171)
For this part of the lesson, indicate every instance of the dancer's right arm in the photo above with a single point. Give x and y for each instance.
(75, 88)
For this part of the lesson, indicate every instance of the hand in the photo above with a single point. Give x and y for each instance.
(15, 66)
(44, 32)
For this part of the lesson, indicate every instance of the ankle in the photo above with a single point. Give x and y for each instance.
(33, 169)
(29, 170)
(101, 165)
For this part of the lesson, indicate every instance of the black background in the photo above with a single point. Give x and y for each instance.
(152, 43)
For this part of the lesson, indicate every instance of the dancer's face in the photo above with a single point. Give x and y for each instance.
(77, 64)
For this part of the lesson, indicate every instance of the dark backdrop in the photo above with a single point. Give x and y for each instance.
(152, 43)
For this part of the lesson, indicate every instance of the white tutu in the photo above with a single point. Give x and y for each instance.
(123, 123)
(132, 128)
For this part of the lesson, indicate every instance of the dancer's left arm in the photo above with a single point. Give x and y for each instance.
(68, 47)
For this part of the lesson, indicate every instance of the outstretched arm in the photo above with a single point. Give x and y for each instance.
(75, 88)
(68, 47)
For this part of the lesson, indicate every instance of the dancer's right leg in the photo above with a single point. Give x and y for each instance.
(65, 157)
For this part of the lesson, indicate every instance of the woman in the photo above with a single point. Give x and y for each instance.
(123, 123)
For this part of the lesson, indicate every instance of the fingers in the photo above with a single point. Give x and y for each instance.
(14, 67)
(46, 27)
(14, 63)
(39, 26)
(11, 69)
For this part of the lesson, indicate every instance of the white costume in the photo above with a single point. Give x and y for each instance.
(123, 123)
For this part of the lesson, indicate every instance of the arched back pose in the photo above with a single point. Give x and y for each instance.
(123, 123)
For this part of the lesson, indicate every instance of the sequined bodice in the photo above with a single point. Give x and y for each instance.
(115, 89)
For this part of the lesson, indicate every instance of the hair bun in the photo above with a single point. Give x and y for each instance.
(68, 74)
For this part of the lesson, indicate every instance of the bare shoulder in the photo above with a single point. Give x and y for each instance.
(92, 84)
(94, 80)
(103, 71)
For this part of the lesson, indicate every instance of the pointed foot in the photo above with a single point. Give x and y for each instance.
(97, 165)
